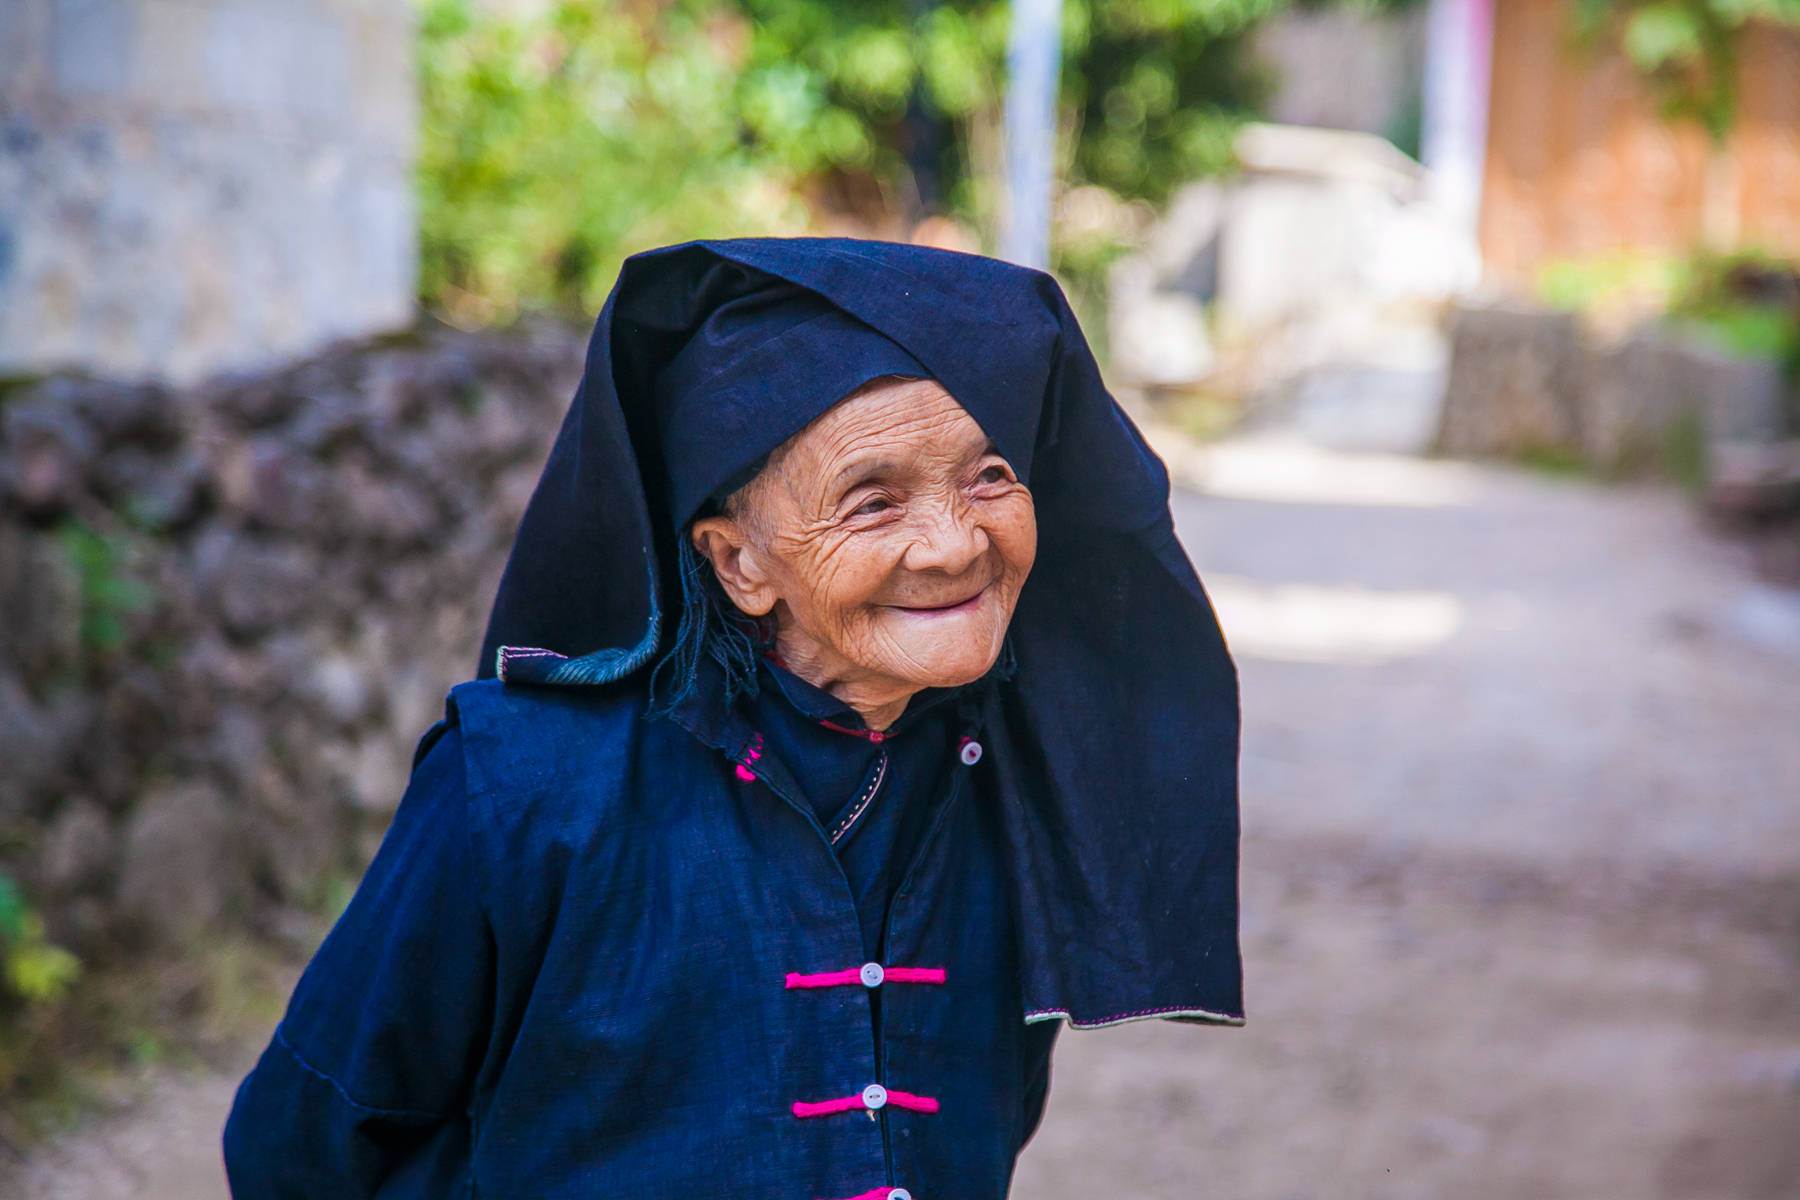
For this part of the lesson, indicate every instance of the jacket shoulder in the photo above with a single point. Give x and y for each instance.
(523, 741)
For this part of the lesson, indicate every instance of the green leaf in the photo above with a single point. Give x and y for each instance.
(12, 911)
(1659, 34)
(39, 973)
(877, 69)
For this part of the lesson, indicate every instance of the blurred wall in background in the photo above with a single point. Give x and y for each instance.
(1580, 162)
(1347, 69)
(193, 185)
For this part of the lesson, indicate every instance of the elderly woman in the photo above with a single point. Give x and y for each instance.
(856, 719)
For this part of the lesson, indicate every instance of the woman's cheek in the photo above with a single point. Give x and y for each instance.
(1016, 534)
(850, 577)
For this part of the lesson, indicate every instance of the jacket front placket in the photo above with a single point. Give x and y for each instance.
(880, 1099)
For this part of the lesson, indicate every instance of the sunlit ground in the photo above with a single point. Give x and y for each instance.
(1283, 469)
(1310, 623)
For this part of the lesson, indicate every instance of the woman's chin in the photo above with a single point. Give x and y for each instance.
(935, 664)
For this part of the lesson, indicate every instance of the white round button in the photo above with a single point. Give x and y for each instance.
(874, 1096)
(872, 975)
(899, 1194)
(971, 753)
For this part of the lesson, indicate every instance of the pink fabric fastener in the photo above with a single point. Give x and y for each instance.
(823, 1108)
(868, 735)
(750, 756)
(854, 975)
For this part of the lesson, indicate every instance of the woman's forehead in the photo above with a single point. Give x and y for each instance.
(903, 419)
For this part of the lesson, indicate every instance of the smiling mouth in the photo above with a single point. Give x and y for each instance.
(963, 605)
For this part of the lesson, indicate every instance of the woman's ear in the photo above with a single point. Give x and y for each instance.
(736, 562)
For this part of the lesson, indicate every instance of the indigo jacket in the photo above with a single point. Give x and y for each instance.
(602, 954)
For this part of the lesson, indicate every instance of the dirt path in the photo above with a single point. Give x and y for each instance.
(161, 1146)
(1522, 868)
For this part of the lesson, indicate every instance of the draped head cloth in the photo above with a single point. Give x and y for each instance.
(1114, 744)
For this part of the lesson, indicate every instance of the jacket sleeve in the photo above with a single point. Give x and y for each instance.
(378, 1050)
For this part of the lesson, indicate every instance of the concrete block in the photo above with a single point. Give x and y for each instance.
(24, 50)
(1287, 246)
(1739, 398)
(1515, 383)
(92, 43)
(1753, 480)
(8, 252)
(384, 101)
(1633, 398)
(294, 62)
(1343, 69)
(1160, 339)
(1183, 247)
(169, 70)
(200, 185)
(246, 56)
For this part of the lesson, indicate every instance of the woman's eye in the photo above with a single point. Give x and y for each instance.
(993, 474)
(869, 508)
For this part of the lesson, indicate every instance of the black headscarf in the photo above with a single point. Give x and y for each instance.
(1115, 742)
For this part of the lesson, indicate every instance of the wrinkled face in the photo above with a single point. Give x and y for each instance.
(888, 538)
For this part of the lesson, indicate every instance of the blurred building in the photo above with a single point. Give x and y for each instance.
(1580, 162)
(1547, 148)
(188, 186)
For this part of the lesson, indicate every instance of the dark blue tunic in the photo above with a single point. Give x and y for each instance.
(566, 972)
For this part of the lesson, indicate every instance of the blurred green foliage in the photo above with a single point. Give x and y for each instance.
(1746, 302)
(1743, 302)
(1158, 88)
(32, 971)
(110, 594)
(1686, 49)
(1597, 282)
(556, 137)
(560, 135)
(35, 982)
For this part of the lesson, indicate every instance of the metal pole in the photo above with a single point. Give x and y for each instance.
(1459, 51)
(1033, 62)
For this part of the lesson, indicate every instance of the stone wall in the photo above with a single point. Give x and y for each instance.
(191, 185)
(1518, 374)
(231, 611)
(1528, 380)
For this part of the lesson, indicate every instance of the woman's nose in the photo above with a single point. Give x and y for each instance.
(948, 539)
